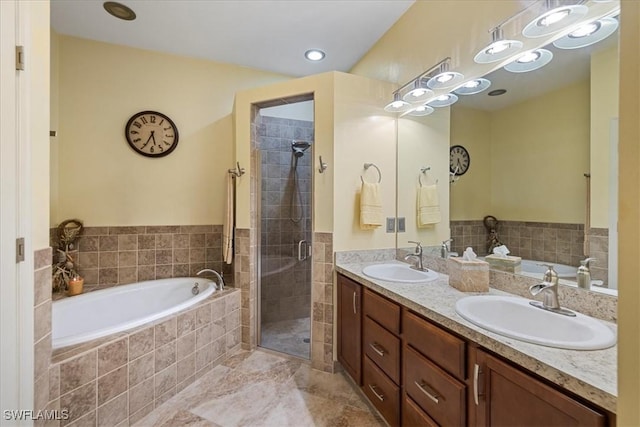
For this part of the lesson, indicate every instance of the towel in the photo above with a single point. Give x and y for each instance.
(228, 225)
(428, 206)
(370, 206)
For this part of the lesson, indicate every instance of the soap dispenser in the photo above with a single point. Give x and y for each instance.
(584, 275)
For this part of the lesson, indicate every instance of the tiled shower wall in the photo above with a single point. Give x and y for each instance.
(540, 241)
(110, 256)
(285, 218)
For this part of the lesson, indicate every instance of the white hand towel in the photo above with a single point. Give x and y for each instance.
(370, 206)
(228, 224)
(428, 206)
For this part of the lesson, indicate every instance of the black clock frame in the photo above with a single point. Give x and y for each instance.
(133, 146)
(452, 170)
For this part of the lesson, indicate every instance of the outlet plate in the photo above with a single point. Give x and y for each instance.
(401, 225)
(391, 225)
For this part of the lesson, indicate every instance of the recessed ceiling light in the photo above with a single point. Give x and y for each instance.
(119, 10)
(497, 92)
(314, 55)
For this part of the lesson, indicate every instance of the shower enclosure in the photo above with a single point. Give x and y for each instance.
(284, 136)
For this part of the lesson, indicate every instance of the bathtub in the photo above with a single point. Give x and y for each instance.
(100, 313)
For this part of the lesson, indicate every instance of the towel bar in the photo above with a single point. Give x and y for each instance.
(367, 166)
(237, 171)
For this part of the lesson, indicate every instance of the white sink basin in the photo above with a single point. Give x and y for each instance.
(401, 273)
(516, 318)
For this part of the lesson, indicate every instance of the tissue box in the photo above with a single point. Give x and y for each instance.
(468, 276)
(510, 264)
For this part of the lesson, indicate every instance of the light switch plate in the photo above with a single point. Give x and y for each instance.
(391, 225)
(401, 225)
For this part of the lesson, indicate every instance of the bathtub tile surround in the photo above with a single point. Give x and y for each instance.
(42, 282)
(258, 388)
(599, 249)
(117, 380)
(246, 280)
(110, 256)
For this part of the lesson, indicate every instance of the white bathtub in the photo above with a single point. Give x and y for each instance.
(97, 314)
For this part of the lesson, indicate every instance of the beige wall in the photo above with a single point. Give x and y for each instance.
(604, 107)
(102, 181)
(471, 194)
(539, 152)
(629, 218)
(421, 142)
(363, 133)
(38, 63)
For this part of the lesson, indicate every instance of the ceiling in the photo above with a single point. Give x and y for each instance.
(269, 35)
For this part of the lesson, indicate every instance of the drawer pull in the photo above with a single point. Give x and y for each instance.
(379, 396)
(430, 392)
(377, 348)
(354, 303)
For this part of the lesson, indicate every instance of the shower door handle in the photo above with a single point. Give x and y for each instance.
(303, 253)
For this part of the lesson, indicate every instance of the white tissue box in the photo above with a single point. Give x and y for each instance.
(510, 264)
(468, 276)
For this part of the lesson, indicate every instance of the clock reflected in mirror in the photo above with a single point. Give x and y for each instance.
(459, 160)
(151, 134)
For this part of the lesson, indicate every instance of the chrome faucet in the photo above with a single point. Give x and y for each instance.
(418, 256)
(221, 284)
(549, 289)
(444, 249)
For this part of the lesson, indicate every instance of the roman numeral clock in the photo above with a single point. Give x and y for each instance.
(151, 134)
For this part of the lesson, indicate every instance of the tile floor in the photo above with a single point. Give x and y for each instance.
(262, 389)
(288, 336)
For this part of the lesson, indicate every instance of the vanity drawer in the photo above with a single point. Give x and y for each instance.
(382, 392)
(383, 348)
(441, 347)
(436, 392)
(382, 310)
(412, 415)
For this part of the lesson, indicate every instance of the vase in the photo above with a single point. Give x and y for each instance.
(75, 285)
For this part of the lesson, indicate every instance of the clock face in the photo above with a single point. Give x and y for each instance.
(151, 134)
(459, 160)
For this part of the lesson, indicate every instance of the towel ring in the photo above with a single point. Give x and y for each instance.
(423, 171)
(367, 166)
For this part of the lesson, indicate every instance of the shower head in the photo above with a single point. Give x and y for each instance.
(299, 147)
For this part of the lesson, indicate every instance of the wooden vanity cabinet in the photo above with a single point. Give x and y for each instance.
(507, 396)
(350, 327)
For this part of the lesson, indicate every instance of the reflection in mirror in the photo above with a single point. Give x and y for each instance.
(543, 161)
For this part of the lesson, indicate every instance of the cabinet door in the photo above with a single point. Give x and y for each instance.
(508, 396)
(350, 327)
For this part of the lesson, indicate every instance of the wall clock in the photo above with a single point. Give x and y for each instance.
(459, 160)
(151, 134)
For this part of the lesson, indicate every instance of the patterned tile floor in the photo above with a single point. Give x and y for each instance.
(262, 389)
(288, 336)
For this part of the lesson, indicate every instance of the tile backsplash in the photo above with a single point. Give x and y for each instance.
(110, 256)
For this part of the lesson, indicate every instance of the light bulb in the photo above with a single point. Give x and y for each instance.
(443, 78)
(585, 30)
(472, 84)
(498, 47)
(554, 17)
(528, 57)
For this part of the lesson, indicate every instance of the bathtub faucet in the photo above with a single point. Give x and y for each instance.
(215, 273)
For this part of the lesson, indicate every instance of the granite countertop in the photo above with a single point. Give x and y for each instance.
(590, 374)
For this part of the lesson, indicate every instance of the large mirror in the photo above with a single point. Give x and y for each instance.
(543, 162)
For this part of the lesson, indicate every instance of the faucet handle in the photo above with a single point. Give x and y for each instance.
(550, 275)
(586, 261)
(415, 243)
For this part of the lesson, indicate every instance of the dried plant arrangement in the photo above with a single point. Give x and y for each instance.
(65, 268)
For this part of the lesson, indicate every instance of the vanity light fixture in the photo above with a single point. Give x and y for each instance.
(588, 34)
(397, 105)
(557, 16)
(444, 78)
(314, 55)
(472, 87)
(529, 61)
(419, 93)
(421, 110)
(443, 100)
(119, 10)
(499, 48)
